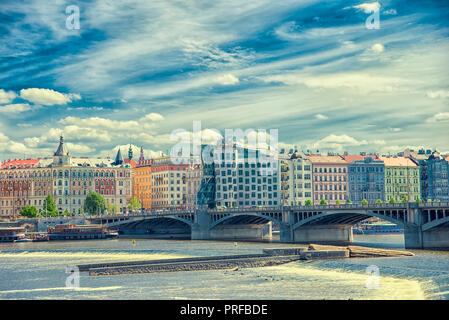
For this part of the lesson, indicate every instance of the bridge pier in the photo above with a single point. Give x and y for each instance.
(200, 228)
(242, 232)
(435, 238)
(326, 234)
(413, 237)
(286, 233)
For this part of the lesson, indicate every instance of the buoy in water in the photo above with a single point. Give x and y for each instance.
(134, 241)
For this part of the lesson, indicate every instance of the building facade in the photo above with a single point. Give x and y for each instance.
(296, 178)
(168, 188)
(330, 179)
(142, 182)
(243, 178)
(402, 179)
(194, 175)
(67, 179)
(366, 180)
(434, 174)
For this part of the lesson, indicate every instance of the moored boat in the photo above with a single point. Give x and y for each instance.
(378, 228)
(79, 232)
(11, 234)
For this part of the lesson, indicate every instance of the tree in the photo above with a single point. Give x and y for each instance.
(379, 201)
(392, 200)
(113, 208)
(364, 201)
(134, 204)
(308, 202)
(323, 202)
(66, 213)
(94, 203)
(404, 199)
(418, 200)
(49, 207)
(30, 212)
(348, 201)
(337, 202)
(429, 200)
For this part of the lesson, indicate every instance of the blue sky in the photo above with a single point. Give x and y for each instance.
(137, 70)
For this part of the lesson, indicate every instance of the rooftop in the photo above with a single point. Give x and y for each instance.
(315, 158)
(398, 161)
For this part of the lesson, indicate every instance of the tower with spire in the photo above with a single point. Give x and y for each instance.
(62, 156)
(130, 153)
(118, 158)
(141, 158)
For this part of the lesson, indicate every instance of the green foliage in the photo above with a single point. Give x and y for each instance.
(348, 201)
(404, 199)
(418, 200)
(49, 208)
(308, 203)
(66, 213)
(323, 202)
(134, 204)
(337, 202)
(379, 201)
(429, 200)
(364, 201)
(30, 212)
(392, 200)
(94, 203)
(113, 208)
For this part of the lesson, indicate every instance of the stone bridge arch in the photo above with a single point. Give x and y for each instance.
(344, 218)
(251, 218)
(142, 219)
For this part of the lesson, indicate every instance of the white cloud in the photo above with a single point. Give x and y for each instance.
(439, 117)
(15, 108)
(97, 122)
(78, 148)
(338, 143)
(153, 117)
(47, 97)
(392, 12)
(378, 47)
(320, 116)
(368, 7)
(227, 79)
(11, 146)
(359, 82)
(7, 96)
(438, 94)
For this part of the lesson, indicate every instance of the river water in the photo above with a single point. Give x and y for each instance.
(38, 271)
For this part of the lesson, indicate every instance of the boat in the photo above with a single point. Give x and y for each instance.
(11, 234)
(80, 232)
(24, 240)
(377, 228)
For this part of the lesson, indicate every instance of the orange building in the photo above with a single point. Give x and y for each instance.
(142, 181)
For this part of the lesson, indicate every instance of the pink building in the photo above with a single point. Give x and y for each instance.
(330, 179)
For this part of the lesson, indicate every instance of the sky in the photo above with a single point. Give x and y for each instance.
(135, 71)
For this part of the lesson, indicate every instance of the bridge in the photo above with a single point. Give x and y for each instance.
(426, 225)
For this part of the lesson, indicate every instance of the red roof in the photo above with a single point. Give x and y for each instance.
(19, 164)
(357, 157)
(132, 163)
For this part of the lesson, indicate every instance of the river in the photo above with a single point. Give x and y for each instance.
(38, 271)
